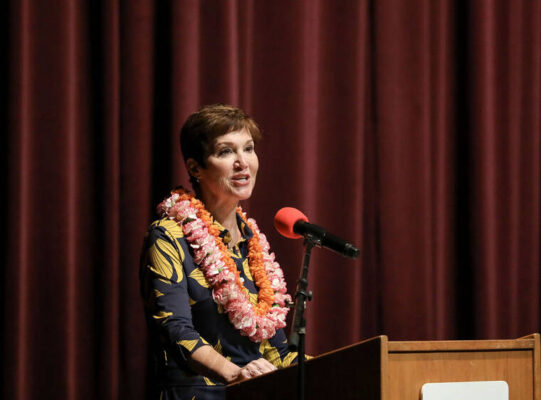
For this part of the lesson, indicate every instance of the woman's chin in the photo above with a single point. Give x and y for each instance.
(243, 194)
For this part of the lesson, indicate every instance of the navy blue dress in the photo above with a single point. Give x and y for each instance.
(182, 316)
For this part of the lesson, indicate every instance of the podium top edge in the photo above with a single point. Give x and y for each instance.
(527, 343)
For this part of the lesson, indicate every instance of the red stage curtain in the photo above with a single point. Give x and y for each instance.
(411, 128)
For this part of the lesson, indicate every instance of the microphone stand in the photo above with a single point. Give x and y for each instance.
(298, 333)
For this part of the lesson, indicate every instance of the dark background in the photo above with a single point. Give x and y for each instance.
(411, 128)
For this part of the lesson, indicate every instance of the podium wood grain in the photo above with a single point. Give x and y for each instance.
(412, 364)
(377, 369)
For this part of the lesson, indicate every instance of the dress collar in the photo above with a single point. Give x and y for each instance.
(245, 230)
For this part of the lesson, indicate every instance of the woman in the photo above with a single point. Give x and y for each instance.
(215, 298)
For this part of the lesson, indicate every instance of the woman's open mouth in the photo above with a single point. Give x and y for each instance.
(241, 179)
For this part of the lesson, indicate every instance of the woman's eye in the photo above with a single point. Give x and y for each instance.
(223, 152)
(249, 149)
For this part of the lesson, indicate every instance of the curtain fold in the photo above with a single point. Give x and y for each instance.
(505, 127)
(415, 164)
(105, 51)
(411, 130)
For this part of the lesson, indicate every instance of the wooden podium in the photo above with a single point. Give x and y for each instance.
(378, 369)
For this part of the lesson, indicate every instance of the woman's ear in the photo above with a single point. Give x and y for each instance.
(193, 168)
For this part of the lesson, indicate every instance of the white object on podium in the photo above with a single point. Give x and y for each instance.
(486, 390)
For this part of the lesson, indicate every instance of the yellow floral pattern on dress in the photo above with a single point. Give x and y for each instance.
(198, 276)
(172, 227)
(246, 268)
(218, 347)
(162, 315)
(188, 344)
(162, 258)
(288, 359)
(253, 298)
(208, 381)
(270, 353)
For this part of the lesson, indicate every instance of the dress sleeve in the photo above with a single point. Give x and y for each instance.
(165, 291)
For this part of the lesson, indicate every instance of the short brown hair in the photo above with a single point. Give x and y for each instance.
(198, 133)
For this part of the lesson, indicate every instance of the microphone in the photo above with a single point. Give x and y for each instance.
(293, 224)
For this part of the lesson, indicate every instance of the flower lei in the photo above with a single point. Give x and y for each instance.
(258, 322)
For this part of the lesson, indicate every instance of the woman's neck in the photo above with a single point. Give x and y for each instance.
(225, 212)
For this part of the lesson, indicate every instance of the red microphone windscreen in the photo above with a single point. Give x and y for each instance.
(284, 220)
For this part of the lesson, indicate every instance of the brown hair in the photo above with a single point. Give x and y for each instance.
(198, 133)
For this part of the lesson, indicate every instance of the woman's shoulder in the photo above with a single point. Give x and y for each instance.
(167, 226)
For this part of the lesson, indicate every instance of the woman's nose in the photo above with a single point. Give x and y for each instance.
(240, 162)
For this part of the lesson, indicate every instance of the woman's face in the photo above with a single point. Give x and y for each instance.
(231, 168)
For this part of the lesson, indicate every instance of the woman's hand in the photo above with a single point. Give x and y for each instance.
(255, 368)
(207, 361)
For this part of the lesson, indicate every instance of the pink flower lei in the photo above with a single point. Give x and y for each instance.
(258, 323)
